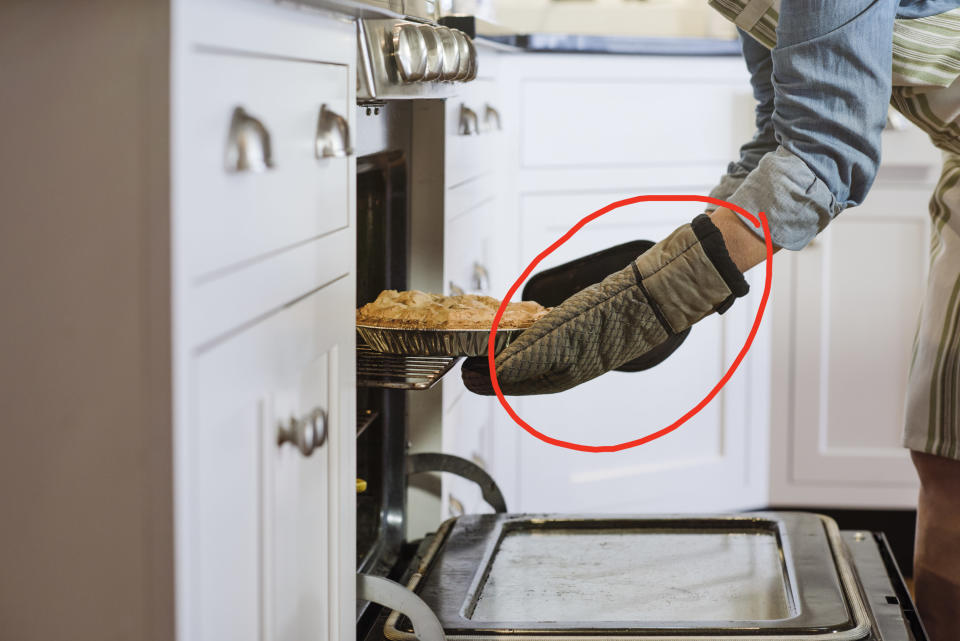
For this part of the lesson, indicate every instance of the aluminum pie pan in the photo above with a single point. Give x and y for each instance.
(435, 342)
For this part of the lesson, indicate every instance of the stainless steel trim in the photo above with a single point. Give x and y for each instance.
(389, 61)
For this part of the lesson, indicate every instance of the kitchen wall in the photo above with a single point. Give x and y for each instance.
(692, 18)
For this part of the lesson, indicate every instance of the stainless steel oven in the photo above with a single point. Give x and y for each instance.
(551, 577)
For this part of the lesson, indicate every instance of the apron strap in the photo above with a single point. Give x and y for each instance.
(751, 13)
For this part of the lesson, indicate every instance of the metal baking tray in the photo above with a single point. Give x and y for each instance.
(435, 342)
(754, 577)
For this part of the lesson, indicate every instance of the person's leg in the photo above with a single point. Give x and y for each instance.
(936, 563)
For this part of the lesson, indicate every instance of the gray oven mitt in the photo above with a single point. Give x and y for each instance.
(683, 278)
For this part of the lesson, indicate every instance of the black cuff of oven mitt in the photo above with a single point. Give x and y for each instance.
(711, 240)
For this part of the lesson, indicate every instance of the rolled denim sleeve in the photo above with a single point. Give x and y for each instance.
(831, 80)
(760, 66)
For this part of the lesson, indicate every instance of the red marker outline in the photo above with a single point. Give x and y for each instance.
(761, 223)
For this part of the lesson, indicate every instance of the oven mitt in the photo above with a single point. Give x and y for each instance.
(680, 280)
(551, 287)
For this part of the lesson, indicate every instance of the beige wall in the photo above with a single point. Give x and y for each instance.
(85, 505)
(669, 18)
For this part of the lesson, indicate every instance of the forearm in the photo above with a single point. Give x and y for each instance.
(744, 246)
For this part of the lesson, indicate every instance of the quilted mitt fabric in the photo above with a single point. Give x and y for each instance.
(683, 278)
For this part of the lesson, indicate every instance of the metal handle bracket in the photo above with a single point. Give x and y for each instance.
(434, 462)
(391, 594)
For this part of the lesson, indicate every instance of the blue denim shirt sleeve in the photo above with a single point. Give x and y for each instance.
(830, 74)
(760, 65)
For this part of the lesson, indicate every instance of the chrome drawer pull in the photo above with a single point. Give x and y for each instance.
(333, 135)
(481, 278)
(469, 124)
(248, 144)
(491, 114)
(307, 433)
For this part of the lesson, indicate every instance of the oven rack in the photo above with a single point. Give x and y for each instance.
(365, 418)
(395, 371)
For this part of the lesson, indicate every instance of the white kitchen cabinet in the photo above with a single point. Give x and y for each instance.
(591, 130)
(708, 463)
(263, 268)
(845, 314)
(266, 550)
(474, 193)
(172, 314)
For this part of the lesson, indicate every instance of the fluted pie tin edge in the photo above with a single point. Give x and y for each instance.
(434, 342)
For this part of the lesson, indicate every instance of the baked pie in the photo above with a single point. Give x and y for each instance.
(418, 310)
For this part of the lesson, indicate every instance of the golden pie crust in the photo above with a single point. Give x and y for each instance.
(418, 310)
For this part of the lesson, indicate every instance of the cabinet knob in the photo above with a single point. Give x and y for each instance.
(469, 124)
(435, 52)
(248, 144)
(306, 433)
(451, 53)
(410, 52)
(466, 56)
(472, 68)
(333, 135)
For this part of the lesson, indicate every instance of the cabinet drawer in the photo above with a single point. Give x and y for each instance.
(466, 251)
(227, 218)
(632, 122)
(468, 155)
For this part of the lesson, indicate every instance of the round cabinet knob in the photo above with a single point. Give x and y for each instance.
(451, 53)
(472, 73)
(463, 50)
(306, 433)
(434, 52)
(410, 51)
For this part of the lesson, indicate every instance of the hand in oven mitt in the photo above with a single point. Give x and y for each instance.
(680, 280)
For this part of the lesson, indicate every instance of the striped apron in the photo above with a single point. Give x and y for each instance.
(926, 79)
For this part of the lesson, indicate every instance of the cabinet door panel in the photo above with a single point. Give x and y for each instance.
(269, 555)
(703, 465)
(857, 297)
(231, 218)
(226, 561)
(568, 122)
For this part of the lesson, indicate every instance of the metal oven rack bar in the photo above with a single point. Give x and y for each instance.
(394, 371)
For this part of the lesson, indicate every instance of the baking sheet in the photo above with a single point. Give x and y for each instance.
(759, 576)
(634, 575)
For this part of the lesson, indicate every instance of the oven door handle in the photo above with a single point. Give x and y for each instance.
(434, 462)
(391, 594)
